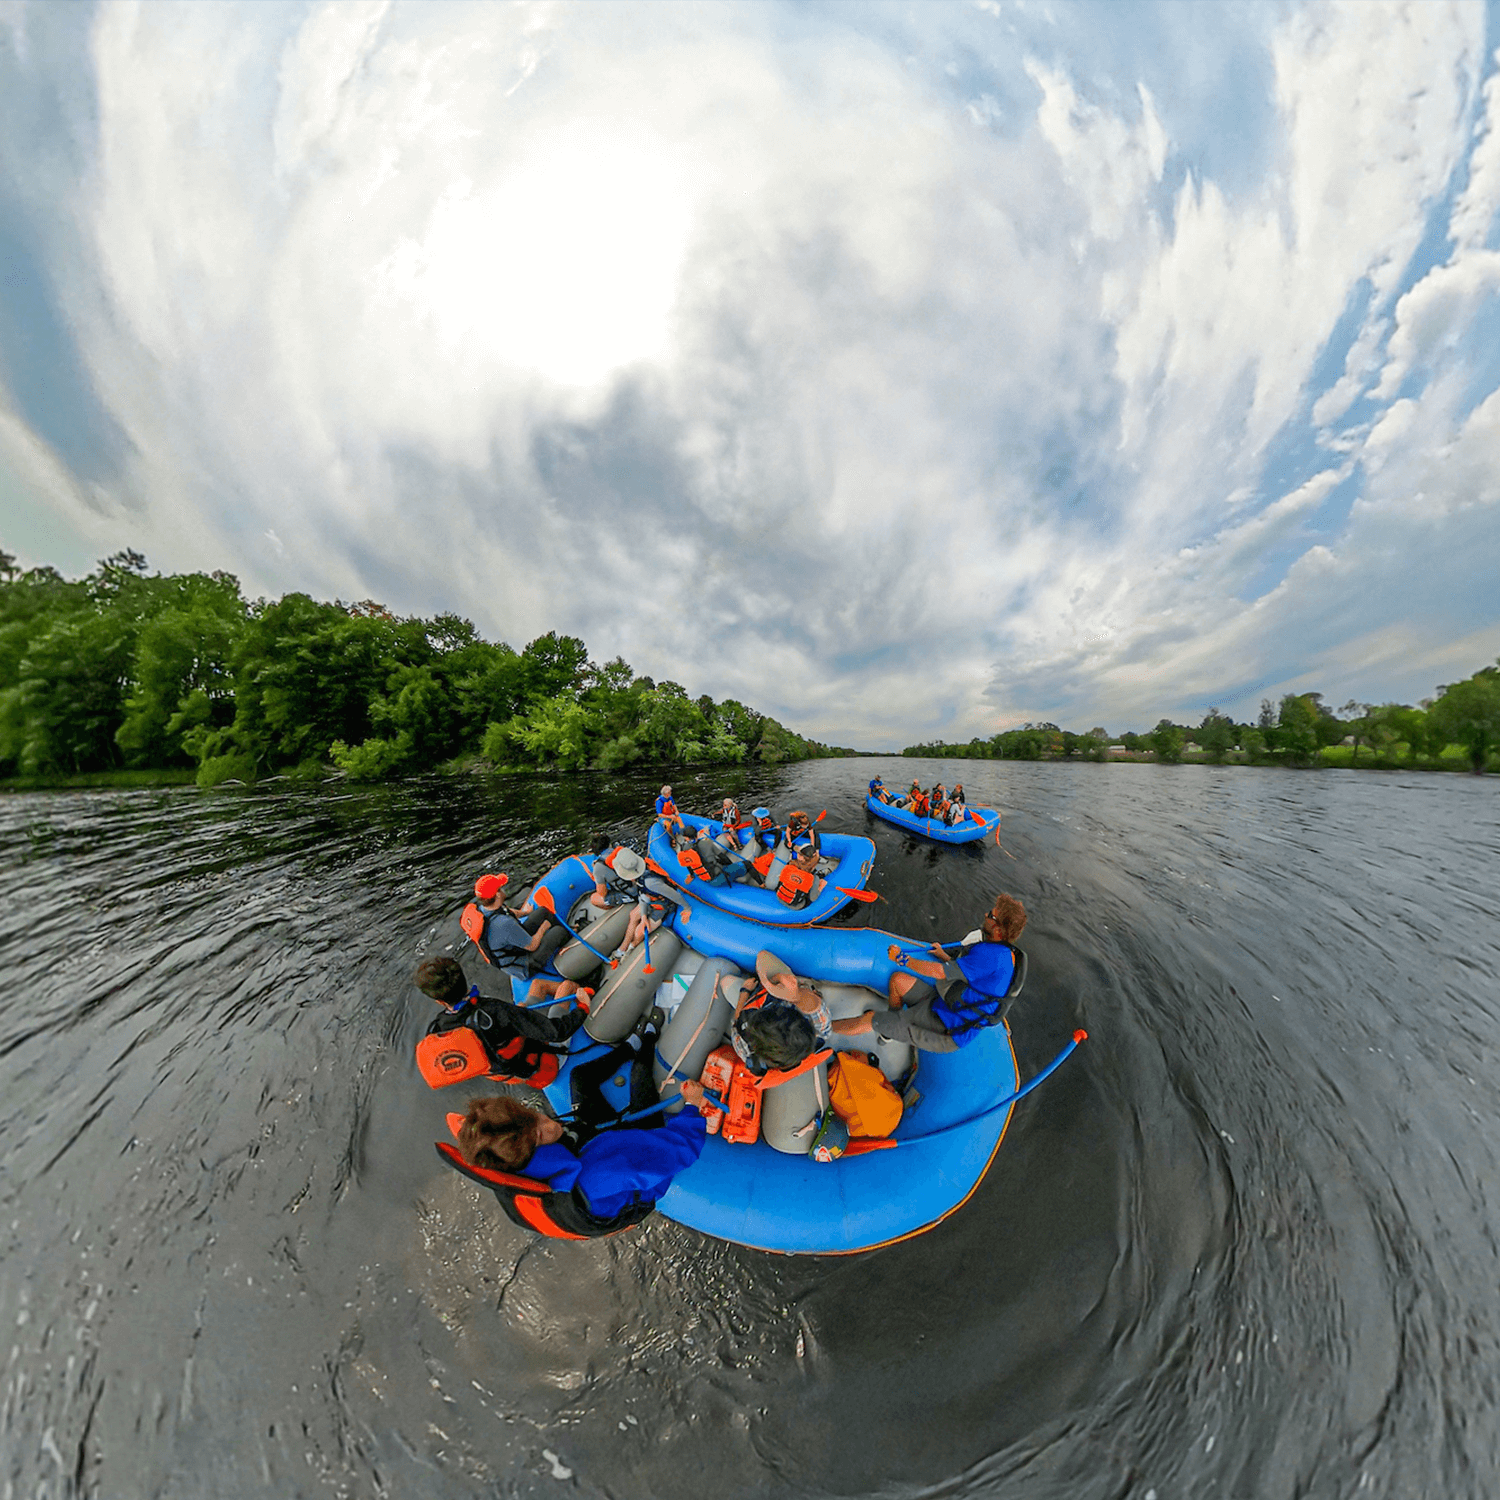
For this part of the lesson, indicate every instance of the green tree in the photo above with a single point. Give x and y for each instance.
(1217, 735)
(1167, 740)
(1467, 713)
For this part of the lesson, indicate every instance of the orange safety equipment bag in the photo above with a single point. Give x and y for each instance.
(726, 1074)
(452, 1056)
(863, 1097)
(795, 886)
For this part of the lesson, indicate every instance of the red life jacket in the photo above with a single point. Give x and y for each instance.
(796, 885)
(762, 863)
(919, 804)
(472, 922)
(531, 1204)
(692, 862)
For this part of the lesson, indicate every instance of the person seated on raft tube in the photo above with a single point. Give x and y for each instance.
(666, 811)
(652, 898)
(610, 887)
(734, 829)
(506, 936)
(779, 1020)
(611, 1166)
(701, 858)
(514, 1039)
(965, 994)
(799, 831)
(918, 804)
(878, 791)
(800, 884)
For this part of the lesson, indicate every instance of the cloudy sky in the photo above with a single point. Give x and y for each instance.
(904, 370)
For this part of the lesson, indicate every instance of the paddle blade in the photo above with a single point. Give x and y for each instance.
(865, 896)
(649, 969)
(821, 816)
(542, 897)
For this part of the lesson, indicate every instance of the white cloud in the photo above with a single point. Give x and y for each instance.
(727, 340)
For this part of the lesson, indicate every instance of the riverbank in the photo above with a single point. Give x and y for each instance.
(90, 780)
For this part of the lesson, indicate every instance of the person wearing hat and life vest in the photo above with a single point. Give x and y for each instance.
(943, 1004)
(504, 937)
(779, 1020)
(654, 898)
(611, 888)
(666, 811)
(597, 1172)
(514, 1043)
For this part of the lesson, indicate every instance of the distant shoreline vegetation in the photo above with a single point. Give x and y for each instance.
(1458, 730)
(126, 678)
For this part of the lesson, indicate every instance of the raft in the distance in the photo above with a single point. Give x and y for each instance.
(855, 855)
(934, 828)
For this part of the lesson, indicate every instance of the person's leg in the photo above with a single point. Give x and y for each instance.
(585, 1086)
(538, 1026)
(915, 1025)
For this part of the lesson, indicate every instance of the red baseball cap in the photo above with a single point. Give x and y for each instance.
(487, 887)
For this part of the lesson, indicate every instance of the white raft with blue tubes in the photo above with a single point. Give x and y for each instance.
(771, 1195)
(855, 855)
(988, 820)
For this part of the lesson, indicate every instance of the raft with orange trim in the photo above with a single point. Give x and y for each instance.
(934, 828)
(782, 1200)
(855, 855)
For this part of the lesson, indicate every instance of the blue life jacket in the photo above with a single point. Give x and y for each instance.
(619, 1169)
(978, 999)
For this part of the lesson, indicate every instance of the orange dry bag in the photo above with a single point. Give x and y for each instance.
(862, 1096)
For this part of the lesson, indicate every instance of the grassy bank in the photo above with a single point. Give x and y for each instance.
(86, 779)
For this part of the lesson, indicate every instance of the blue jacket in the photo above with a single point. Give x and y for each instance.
(621, 1167)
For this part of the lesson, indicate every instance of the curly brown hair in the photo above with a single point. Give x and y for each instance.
(1009, 916)
(499, 1133)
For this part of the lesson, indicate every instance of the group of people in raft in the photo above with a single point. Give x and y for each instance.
(600, 1168)
(947, 807)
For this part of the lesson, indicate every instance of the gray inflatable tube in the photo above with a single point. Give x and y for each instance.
(576, 962)
(627, 992)
(789, 1112)
(700, 1024)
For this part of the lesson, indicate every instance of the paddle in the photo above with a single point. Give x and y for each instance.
(865, 896)
(543, 897)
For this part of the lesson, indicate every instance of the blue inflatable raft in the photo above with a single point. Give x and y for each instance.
(934, 828)
(855, 855)
(958, 1104)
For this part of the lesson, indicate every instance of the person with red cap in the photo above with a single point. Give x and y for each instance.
(503, 936)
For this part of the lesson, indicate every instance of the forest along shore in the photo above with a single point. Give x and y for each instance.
(149, 679)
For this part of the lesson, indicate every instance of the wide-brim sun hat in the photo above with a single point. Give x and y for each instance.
(629, 865)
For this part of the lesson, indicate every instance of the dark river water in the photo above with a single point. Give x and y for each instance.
(1243, 1244)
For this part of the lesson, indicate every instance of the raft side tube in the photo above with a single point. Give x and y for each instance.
(787, 1111)
(576, 961)
(627, 994)
(700, 1024)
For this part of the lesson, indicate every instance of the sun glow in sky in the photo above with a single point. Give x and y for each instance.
(903, 371)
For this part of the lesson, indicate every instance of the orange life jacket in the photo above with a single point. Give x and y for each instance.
(472, 922)
(459, 1053)
(795, 886)
(919, 805)
(762, 862)
(692, 862)
(533, 1205)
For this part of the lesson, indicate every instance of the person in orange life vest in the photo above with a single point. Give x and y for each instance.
(499, 1024)
(666, 811)
(509, 937)
(608, 1167)
(800, 884)
(700, 857)
(799, 831)
(611, 888)
(957, 794)
(774, 1010)
(942, 1005)
(937, 803)
(910, 798)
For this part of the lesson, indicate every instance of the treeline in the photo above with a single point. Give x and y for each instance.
(1300, 732)
(125, 669)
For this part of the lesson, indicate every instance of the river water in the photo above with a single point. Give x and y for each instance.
(1243, 1244)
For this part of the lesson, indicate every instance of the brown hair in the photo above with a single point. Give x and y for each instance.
(1009, 916)
(441, 979)
(800, 818)
(499, 1133)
